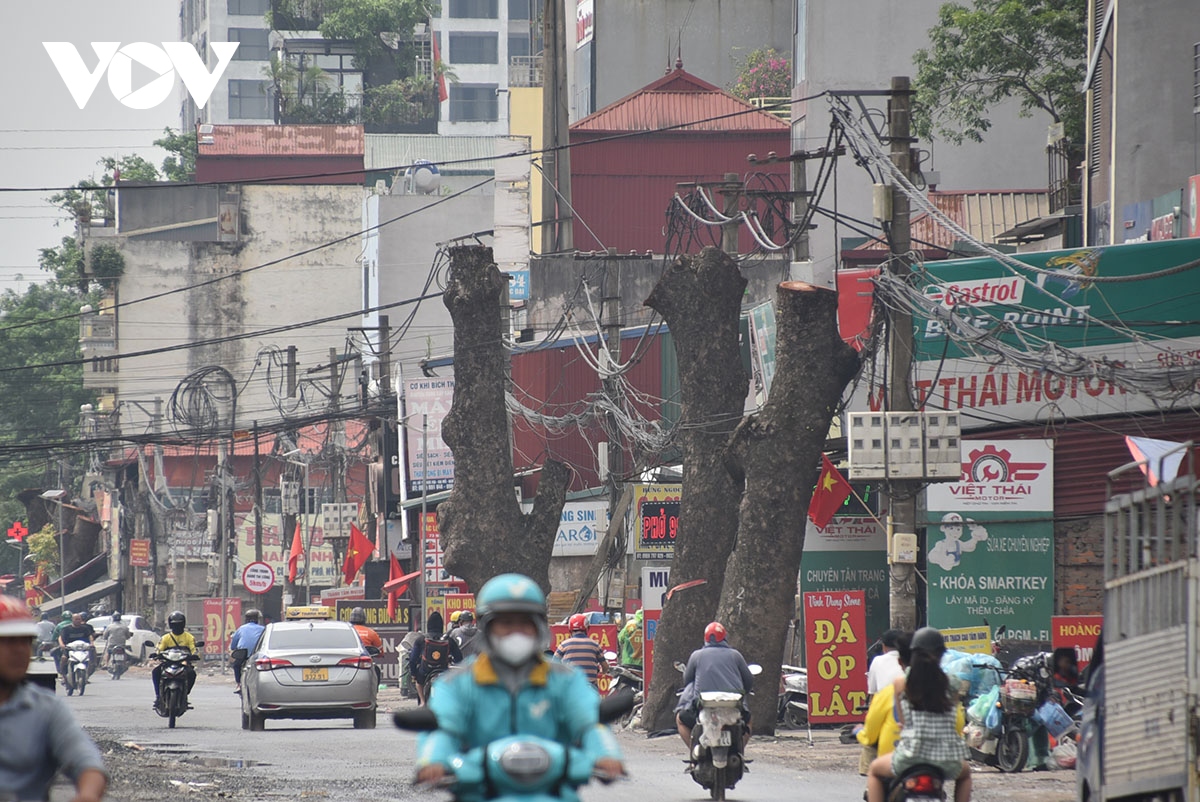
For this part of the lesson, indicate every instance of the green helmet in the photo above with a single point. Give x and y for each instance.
(512, 593)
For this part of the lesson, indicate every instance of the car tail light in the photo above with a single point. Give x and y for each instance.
(923, 784)
(363, 661)
(271, 663)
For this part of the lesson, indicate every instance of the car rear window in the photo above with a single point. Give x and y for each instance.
(315, 638)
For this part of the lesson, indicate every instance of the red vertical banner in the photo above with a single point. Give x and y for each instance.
(1079, 632)
(649, 628)
(835, 626)
(213, 643)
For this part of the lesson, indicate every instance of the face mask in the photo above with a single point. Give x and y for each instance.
(514, 649)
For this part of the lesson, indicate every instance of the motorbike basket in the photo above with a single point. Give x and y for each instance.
(1019, 697)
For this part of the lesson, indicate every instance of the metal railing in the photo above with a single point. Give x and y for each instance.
(1154, 524)
(780, 107)
(525, 71)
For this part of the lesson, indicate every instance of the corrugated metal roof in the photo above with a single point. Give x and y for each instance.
(388, 151)
(282, 140)
(675, 99)
(985, 214)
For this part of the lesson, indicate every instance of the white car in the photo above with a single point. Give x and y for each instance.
(142, 641)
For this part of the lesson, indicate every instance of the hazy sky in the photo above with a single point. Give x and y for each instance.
(45, 139)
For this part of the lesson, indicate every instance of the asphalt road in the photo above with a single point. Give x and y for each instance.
(208, 755)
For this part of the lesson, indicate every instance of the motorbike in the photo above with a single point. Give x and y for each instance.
(1003, 740)
(119, 658)
(173, 684)
(625, 680)
(793, 697)
(920, 783)
(520, 768)
(78, 668)
(716, 761)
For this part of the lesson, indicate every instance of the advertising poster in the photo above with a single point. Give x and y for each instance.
(836, 648)
(849, 554)
(456, 602)
(139, 553)
(580, 528)
(1080, 632)
(426, 403)
(213, 642)
(434, 572)
(649, 629)
(391, 632)
(972, 640)
(276, 546)
(657, 510)
(990, 540)
(604, 634)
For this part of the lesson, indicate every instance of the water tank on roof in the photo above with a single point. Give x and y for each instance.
(422, 178)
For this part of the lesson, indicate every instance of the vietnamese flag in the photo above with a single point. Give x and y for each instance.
(394, 593)
(358, 552)
(829, 495)
(294, 554)
(438, 68)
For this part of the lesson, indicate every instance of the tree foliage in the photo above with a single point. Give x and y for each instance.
(764, 73)
(364, 21)
(43, 547)
(180, 166)
(1031, 50)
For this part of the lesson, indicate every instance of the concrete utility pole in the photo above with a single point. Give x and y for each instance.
(731, 193)
(611, 315)
(557, 231)
(902, 502)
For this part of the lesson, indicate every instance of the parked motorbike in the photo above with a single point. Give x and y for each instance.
(78, 668)
(793, 697)
(119, 658)
(173, 684)
(1002, 738)
(627, 681)
(520, 768)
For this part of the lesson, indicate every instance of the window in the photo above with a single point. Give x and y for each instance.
(473, 103)
(248, 8)
(474, 48)
(249, 100)
(255, 44)
(518, 44)
(518, 9)
(474, 9)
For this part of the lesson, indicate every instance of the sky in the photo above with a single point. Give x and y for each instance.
(45, 139)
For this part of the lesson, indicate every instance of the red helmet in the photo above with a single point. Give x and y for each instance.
(714, 633)
(15, 619)
(577, 623)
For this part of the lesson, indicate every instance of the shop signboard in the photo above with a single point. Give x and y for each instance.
(835, 642)
(849, 554)
(427, 401)
(1078, 632)
(990, 541)
(213, 609)
(656, 508)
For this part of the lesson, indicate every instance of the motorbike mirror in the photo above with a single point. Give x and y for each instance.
(679, 666)
(419, 719)
(614, 706)
(610, 656)
(755, 669)
(199, 644)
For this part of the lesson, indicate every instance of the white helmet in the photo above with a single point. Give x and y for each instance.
(15, 619)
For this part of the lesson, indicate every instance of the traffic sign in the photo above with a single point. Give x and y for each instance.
(18, 531)
(258, 577)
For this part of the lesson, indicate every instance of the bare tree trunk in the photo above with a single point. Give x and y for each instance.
(700, 298)
(483, 529)
(778, 453)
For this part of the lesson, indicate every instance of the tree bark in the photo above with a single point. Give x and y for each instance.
(700, 299)
(778, 453)
(483, 530)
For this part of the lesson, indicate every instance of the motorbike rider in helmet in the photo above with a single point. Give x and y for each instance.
(716, 666)
(511, 688)
(179, 638)
(581, 651)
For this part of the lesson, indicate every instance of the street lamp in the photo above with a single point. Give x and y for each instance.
(56, 496)
(304, 520)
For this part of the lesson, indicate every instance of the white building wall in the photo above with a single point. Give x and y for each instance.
(213, 22)
(861, 44)
(277, 221)
(496, 74)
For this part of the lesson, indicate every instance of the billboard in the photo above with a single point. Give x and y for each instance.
(426, 403)
(657, 519)
(849, 554)
(1139, 322)
(990, 540)
(836, 648)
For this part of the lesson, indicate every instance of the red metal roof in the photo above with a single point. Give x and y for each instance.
(984, 213)
(282, 140)
(679, 98)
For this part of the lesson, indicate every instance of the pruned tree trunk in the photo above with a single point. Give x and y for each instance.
(778, 453)
(483, 530)
(700, 298)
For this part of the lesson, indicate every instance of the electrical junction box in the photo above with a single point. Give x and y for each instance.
(905, 445)
(904, 549)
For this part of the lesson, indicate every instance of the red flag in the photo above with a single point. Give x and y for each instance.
(294, 555)
(358, 552)
(830, 493)
(438, 70)
(394, 593)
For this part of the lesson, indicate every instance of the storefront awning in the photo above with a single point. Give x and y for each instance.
(77, 601)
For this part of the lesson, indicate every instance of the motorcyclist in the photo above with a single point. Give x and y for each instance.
(581, 651)
(467, 635)
(116, 636)
(369, 637)
(510, 688)
(243, 640)
(716, 666)
(431, 653)
(45, 633)
(179, 638)
(78, 629)
(629, 640)
(881, 728)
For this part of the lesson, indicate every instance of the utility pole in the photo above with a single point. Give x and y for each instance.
(557, 234)
(258, 499)
(611, 315)
(902, 503)
(223, 561)
(731, 193)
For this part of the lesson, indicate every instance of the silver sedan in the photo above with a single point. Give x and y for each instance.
(308, 669)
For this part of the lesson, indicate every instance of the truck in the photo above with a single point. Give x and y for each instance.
(1149, 713)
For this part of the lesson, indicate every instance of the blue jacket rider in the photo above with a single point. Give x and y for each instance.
(512, 689)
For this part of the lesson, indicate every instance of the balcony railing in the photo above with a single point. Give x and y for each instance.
(296, 15)
(525, 71)
(780, 107)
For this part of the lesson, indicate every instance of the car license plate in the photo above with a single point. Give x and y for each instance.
(725, 738)
(316, 675)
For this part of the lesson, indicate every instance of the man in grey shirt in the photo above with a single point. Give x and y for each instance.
(715, 667)
(50, 739)
(116, 635)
